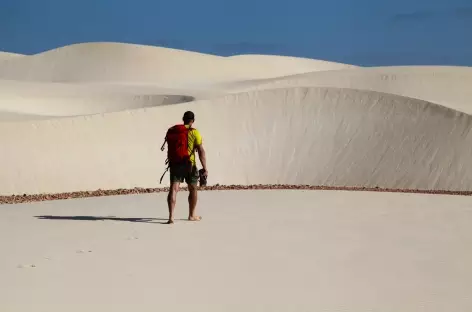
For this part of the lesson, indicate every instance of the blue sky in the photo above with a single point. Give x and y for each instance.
(364, 32)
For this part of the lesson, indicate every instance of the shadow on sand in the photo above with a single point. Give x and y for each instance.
(96, 218)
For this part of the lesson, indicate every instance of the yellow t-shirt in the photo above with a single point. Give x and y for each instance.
(194, 139)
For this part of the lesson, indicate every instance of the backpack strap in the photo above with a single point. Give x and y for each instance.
(167, 159)
(193, 151)
(167, 169)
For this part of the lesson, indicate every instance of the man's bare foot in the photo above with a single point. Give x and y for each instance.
(170, 222)
(194, 218)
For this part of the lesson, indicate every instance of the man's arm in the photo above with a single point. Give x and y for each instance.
(201, 150)
(202, 156)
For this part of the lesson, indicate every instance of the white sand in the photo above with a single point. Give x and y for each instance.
(444, 85)
(62, 99)
(253, 251)
(316, 136)
(8, 56)
(93, 116)
(265, 120)
(114, 62)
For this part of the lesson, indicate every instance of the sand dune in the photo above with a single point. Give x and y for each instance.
(322, 136)
(265, 120)
(37, 100)
(445, 85)
(8, 56)
(275, 65)
(107, 77)
(112, 62)
(89, 117)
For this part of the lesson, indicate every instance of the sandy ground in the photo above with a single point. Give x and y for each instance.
(253, 251)
(93, 116)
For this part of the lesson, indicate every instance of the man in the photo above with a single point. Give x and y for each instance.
(179, 173)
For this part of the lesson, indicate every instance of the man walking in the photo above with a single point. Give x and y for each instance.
(183, 141)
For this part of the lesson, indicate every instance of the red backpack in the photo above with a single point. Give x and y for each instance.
(177, 147)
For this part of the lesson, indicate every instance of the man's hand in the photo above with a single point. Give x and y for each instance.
(205, 173)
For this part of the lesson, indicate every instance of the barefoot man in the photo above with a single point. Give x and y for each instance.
(187, 173)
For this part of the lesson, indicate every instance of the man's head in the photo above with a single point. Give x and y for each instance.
(188, 118)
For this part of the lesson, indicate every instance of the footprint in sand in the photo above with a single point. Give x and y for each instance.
(26, 266)
(83, 251)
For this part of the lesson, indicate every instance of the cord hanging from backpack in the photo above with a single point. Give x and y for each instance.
(166, 162)
(162, 177)
(164, 144)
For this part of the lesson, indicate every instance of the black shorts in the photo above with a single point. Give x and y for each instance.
(181, 173)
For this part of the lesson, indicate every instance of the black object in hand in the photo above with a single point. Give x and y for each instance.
(203, 178)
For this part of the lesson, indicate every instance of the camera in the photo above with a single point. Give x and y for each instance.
(203, 178)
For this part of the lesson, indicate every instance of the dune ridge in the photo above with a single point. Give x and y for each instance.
(103, 77)
(8, 55)
(445, 85)
(93, 116)
(113, 62)
(63, 100)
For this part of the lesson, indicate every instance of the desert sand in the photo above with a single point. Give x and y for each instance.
(89, 117)
(253, 251)
(92, 116)
(8, 56)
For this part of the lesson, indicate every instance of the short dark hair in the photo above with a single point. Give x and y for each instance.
(188, 116)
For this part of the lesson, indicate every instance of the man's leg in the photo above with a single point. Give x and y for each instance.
(192, 196)
(172, 199)
(176, 178)
(192, 202)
